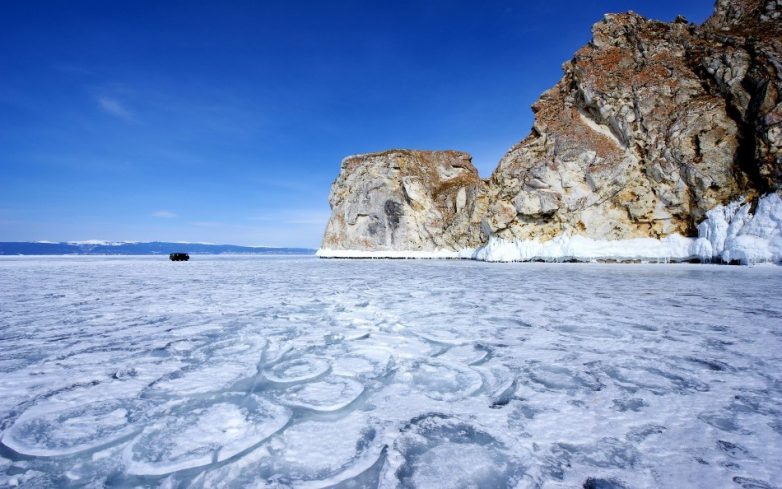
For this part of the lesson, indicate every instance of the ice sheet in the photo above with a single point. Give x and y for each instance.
(298, 372)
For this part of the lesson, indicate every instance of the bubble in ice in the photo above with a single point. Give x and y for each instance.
(297, 370)
(440, 380)
(197, 432)
(57, 428)
(330, 393)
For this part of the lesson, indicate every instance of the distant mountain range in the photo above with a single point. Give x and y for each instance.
(136, 248)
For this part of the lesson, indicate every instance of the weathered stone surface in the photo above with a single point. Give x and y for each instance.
(652, 125)
(406, 200)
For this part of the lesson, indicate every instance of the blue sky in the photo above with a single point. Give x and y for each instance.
(225, 121)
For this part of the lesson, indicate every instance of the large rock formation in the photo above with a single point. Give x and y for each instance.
(652, 125)
(406, 200)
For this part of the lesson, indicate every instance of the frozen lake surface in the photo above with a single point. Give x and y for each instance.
(277, 372)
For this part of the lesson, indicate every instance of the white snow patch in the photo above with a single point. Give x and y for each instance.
(669, 249)
(733, 234)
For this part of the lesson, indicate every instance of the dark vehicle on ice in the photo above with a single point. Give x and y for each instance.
(179, 257)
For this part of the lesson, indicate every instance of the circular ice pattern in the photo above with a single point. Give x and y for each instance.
(442, 452)
(58, 429)
(442, 381)
(362, 363)
(328, 394)
(197, 432)
(242, 348)
(297, 370)
(201, 379)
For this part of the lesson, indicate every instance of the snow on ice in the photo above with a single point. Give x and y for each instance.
(297, 372)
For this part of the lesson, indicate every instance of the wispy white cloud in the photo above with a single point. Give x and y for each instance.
(113, 107)
(164, 214)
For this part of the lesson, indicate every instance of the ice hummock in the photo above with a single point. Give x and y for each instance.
(732, 234)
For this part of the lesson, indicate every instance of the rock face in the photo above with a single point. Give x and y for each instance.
(406, 200)
(652, 125)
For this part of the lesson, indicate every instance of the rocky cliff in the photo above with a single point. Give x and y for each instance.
(406, 200)
(652, 125)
